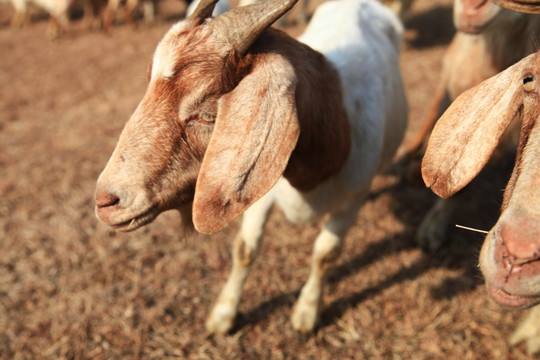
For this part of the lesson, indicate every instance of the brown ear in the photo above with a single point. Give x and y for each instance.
(468, 132)
(255, 133)
(527, 6)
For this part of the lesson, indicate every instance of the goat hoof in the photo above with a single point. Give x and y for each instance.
(304, 319)
(220, 321)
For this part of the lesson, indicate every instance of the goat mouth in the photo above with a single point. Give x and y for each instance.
(512, 301)
(476, 16)
(137, 221)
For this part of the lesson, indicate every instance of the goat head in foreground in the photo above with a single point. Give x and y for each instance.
(462, 142)
(207, 129)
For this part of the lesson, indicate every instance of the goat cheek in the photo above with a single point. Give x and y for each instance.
(198, 136)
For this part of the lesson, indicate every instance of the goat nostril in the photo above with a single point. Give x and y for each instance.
(521, 242)
(106, 200)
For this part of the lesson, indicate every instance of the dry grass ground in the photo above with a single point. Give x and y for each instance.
(72, 289)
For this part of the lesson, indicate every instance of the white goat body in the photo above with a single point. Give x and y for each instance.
(343, 113)
(361, 40)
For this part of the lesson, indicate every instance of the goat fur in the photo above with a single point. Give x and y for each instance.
(305, 125)
(500, 38)
(461, 144)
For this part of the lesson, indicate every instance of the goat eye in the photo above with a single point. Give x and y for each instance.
(529, 83)
(199, 119)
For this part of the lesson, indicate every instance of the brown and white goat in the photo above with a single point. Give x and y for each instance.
(461, 144)
(57, 10)
(239, 116)
(488, 40)
(112, 8)
(59, 13)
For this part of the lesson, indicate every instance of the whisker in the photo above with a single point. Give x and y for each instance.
(471, 229)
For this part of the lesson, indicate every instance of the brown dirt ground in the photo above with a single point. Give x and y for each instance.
(72, 288)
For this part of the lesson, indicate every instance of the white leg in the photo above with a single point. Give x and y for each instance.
(149, 11)
(246, 247)
(529, 331)
(327, 248)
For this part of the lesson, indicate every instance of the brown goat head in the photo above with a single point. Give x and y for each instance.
(214, 130)
(461, 144)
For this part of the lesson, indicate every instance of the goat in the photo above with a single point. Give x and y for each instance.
(460, 146)
(57, 9)
(112, 7)
(239, 116)
(500, 258)
(489, 39)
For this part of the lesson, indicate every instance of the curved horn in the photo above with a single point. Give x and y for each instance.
(528, 6)
(241, 26)
(204, 9)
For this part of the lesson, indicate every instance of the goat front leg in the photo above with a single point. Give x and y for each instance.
(129, 11)
(529, 332)
(109, 15)
(432, 232)
(327, 248)
(245, 249)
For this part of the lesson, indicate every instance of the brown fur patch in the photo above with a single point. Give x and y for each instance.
(324, 143)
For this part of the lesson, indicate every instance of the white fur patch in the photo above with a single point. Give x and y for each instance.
(164, 56)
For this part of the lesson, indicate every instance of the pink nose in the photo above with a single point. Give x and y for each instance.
(105, 199)
(521, 237)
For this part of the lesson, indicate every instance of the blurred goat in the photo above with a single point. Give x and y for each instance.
(239, 116)
(129, 7)
(461, 144)
(58, 11)
(104, 11)
(489, 39)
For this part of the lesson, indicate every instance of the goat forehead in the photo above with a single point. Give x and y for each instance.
(165, 56)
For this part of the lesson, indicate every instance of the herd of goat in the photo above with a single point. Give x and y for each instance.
(238, 116)
(104, 12)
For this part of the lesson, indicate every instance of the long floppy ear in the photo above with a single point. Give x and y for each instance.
(255, 133)
(527, 6)
(468, 132)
